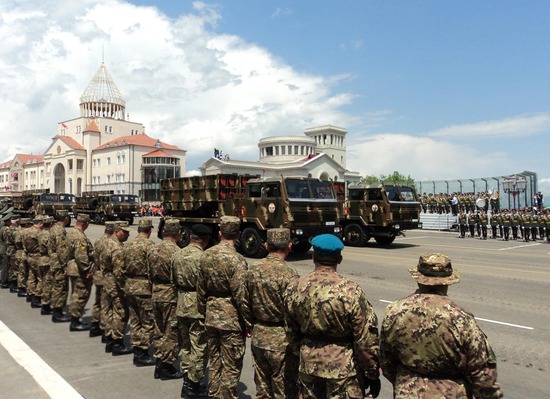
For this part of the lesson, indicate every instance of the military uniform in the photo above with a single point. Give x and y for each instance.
(21, 258)
(138, 294)
(58, 265)
(8, 237)
(221, 297)
(114, 307)
(192, 333)
(35, 245)
(514, 222)
(275, 359)
(431, 347)
(462, 224)
(472, 217)
(495, 219)
(79, 269)
(165, 298)
(99, 244)
(336, 327)
(482, 222)
(505, 223)
(45, 274)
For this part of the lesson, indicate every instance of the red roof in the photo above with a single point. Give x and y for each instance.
(138, 139)
(158, 153)
(92, 127)
(70, 142)
(5, 164)
(30, 158)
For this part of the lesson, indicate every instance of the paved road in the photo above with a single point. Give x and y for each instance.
(505, 284)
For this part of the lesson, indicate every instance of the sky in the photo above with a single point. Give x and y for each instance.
(433, 89)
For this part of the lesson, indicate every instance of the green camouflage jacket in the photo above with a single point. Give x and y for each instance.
(266, 283)
(80, 253)
(136, 266)
(430, 345)
(57, 247)
(335, 324)
(185, 273)
(160, 269)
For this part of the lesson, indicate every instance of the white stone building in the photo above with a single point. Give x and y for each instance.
(99, 150)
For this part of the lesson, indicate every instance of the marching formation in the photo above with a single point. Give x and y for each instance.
(312, 336)
(525, 224)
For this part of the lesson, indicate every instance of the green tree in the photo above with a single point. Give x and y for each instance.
(394, 178)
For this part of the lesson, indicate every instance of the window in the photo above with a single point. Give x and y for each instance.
(108, 179)
(269, 151)
(99, 180)
(108, 161)
(276, 150)
(283, 148)
(80, 164)
(295, 150)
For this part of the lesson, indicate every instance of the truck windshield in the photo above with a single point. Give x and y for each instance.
(48, 198)
(322, 189)
(401, 194)
(297, 188)
(66, 198)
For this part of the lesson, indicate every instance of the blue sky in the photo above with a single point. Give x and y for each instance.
(434, 89)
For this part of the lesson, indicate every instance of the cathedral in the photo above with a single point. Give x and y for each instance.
(99, 150)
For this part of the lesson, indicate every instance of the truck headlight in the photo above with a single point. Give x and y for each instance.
(299, 232)
(337, 230)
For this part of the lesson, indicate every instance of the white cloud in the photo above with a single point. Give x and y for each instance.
(281, 12)
(517, 126)
(188, 85)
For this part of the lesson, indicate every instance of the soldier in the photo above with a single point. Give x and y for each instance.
(45, 274)
(221, 298)
(275, 359)
(57, 248)
(165, 298)
(450, 356)
(482, 223)
(21, 258)
(462, 224)
(514, 222)
(526, 225)
(138, 293)
(471, 222)
(80, 270)
(495, 220)
(35, 247)
(114, 307)
(96, 329)
(505, 223)
(192, 334)
(336, 327)
(8, 236)
(534, 224)
(4, 227)
(546, 219)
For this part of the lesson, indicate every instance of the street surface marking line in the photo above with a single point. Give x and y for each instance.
(519, 246)
(412, 238)
(479, 318)
(54, 385)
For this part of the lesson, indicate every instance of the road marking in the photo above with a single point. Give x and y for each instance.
(519, 246)
(54, 385)
(456, 246)
(481, 319)
(411, 238)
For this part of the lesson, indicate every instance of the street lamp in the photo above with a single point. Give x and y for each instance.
(514, 185)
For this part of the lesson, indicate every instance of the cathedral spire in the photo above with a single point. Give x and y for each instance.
(102, 97)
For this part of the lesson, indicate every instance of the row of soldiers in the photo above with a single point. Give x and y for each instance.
(525, 224)
(314, 336)
(458, 202)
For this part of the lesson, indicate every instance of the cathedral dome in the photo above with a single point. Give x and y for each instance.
(102, 97)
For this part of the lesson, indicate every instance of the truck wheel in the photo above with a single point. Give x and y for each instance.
(301, 248)
(384, 240)
(355, 236)
(251, 244)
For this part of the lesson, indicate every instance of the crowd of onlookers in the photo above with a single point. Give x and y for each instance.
(151, 210)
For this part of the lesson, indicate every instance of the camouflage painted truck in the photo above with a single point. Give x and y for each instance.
(42, 202)
(382, 211)
(306, 206)
(105, 205)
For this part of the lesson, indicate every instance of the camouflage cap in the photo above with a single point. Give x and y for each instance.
(48, 220)
(83, 217)
(171, 226)
(38, 219)
(278, 236)
(229, 224)
(123, 225)
(110, 227)
(327, 244)
(201, 230)
(25, 221)
(62, 212)
(435, 269)
(145, 223)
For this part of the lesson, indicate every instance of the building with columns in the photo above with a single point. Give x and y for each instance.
(98, 150)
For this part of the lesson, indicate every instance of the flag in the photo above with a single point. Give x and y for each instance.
(63, 125)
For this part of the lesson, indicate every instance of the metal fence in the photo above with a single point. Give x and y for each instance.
(477, 185)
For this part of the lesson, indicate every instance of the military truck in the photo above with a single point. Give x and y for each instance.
(382, 211)
(106, 205)
(41, 202)
(306, 206)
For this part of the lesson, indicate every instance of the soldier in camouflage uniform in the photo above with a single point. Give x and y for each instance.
(21, 258)
(96, 329)
(514, 222)
(430, 346)
(472, 223)
(546, 221)
(275, 359)
(35, 247)
(165, 298)
(221, 298)
(45, 275)
(4, 226)
(462, 224)
(336, 327)
(192, 334)
(138, 293)
(8, 236)
(495, 219)
(114, 307)
(57, 248)
(482, 223)
(80, 265)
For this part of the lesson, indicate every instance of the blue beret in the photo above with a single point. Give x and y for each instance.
(327, 244)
